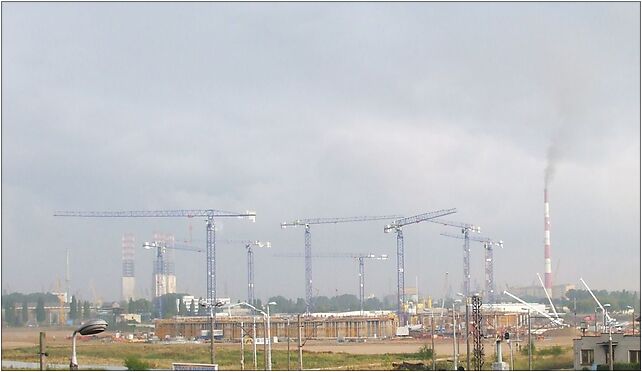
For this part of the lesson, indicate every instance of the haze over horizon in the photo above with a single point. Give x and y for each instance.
(303, 110)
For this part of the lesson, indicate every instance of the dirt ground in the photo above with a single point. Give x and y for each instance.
(442, 346)
(24, 337)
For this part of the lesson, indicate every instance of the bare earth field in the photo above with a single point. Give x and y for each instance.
(20, 344)
(24, 337)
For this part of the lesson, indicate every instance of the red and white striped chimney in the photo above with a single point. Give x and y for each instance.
(548, 276)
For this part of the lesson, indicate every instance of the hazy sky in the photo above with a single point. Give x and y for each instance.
(321, 110)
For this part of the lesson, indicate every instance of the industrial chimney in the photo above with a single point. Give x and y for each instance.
(548, 276)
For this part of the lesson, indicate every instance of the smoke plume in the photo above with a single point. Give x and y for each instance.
(552, 157)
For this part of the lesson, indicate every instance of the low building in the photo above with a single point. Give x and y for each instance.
(128, 318)
(591, 351)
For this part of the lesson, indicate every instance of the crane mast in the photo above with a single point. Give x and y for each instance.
(488, 260)
(306, 222)
(361, 257)
(249, 244)
(466, 228)
(209, 214)
(396, 226)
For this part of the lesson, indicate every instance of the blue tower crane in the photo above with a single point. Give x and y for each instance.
(466, 228)
(308, 244)
(250, 263)
(396, 226)
(209, 214)
(488, 260)
(361, 257)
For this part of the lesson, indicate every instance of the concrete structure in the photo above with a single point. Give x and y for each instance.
(125, 318)
(330, 327)
(128, 279)
(594, 350)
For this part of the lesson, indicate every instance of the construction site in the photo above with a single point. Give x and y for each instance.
(321, 186)
(473, 318)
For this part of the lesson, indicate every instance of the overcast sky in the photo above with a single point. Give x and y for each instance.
(321, 110)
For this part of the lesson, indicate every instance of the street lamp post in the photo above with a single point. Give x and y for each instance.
(91, 327)
(467, 332)
(606, 306)
(455, 337)
(212, 326)
(266, 317)
(633, 318)
(432, 336)
(268, 335)
(288, 335)
(254, 340)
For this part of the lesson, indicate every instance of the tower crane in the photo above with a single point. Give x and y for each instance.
(160, 268)
(209, 214)
(396, 226)
(250, 263)
(488, 261)
(308, 245)
(361, 257)
(466, 228)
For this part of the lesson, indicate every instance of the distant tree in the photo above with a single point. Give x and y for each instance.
(25, 312)
(130, 306)
(201, 309)
(86, 311)
(300, 306)
(9, 313)
(192, 308)
(40, 310)
(73, 309)
(182, 308)
(372, 304)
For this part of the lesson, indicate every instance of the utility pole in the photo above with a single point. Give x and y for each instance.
(43, 351)
(265, 341)
(299, 343)
(454, 339)
(432, 336)
(254, 340)
(467, 337)
(242, 349)
(530, 344)
(288, 335)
